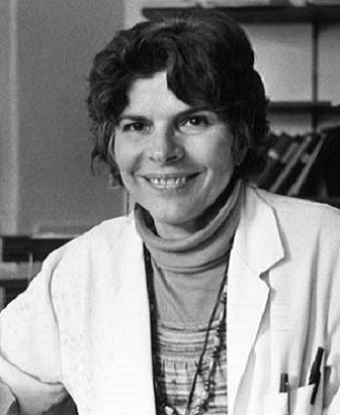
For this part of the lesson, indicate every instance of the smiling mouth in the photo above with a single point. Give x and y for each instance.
(172, 182)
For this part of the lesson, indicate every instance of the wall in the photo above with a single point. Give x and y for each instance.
(283, 56)
(46, 183)
(329, 85)
(8, 116)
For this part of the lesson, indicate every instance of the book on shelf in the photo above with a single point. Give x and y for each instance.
(276, 159)
(297, 186)
(290, 161)
(329, 162)
(293, 166)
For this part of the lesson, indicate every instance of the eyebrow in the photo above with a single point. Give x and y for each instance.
(193, 110)
(181, 114)
(132, 117)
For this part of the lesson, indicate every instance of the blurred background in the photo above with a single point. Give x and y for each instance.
(47, 192)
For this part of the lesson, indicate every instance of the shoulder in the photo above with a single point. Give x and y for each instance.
(71, 272)
(108, 232)
(100, 239)
(104, 240)
(298, 214)
(303, 228)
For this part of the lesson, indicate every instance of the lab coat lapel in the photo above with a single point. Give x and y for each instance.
(257, 247)
(247, 298)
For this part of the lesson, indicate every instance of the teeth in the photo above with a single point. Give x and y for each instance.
(168, 182)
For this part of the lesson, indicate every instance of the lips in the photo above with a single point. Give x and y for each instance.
(169, 181)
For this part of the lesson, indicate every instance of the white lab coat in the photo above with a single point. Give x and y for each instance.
(83, 325)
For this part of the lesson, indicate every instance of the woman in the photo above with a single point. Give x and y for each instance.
(212, 296)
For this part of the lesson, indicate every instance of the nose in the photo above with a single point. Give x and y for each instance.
(164, 146)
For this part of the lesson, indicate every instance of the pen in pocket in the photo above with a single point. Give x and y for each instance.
(284, 388)
(315, 374)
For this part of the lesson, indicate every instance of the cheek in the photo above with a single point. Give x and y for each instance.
(222, 159)
(220, 150)
(124, 155)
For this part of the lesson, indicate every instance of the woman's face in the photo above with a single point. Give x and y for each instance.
(174, 159)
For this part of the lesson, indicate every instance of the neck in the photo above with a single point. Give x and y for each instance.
(170, 231)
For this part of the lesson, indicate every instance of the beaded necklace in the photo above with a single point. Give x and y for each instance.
(163, 408)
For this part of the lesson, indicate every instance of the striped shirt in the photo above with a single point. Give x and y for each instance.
(179, 349)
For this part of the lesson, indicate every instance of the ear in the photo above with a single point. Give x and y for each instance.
(110, 149)
(240, 155)
(115, 178)
(241, 144)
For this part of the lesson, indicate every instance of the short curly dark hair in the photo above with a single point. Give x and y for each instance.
(209, 61)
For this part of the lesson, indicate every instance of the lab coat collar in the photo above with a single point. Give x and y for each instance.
(257, 248)
(257, 241)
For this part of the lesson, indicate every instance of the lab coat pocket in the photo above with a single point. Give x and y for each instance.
(277, 404)
(300, 401)
(297, 402)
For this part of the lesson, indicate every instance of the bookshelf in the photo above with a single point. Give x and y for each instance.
(307, 107)
(22, 248)
(262, 14)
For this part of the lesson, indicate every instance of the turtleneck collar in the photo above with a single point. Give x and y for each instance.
(203, 250)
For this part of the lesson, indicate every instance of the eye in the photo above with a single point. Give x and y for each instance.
(134, 127)
(195, 123)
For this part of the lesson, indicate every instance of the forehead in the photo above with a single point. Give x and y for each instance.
(151, 97)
